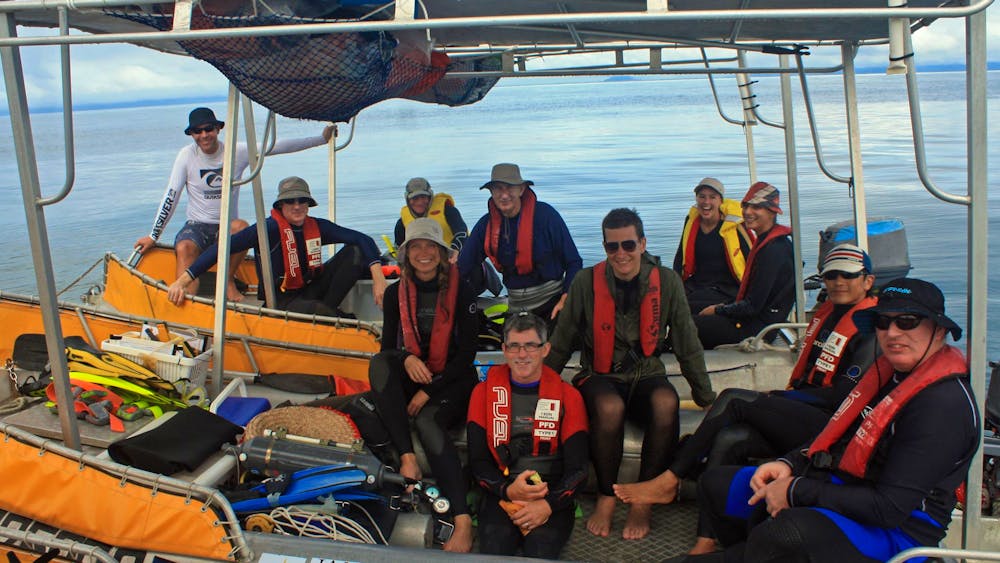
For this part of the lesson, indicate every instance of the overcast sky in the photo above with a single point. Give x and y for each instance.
(126, 74)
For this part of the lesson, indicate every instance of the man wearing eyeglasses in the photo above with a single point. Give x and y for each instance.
(743, 424)
(620, 311)
(528, 243)
(198, 170)
(767, 288)
(881, 475)
(527, 436)
(305, 283)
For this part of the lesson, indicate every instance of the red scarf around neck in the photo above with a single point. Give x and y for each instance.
(525, 233)
(294, 279)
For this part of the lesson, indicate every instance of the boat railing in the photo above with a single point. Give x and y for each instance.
(789, 331)
(945, 554)
(76, 550)
(67, 111)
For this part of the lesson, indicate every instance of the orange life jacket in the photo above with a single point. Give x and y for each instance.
(604, 318)
(444, 321)
(525, 234)
(294, 279)
(826, 363)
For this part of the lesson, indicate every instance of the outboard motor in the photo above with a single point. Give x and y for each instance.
(887, 246)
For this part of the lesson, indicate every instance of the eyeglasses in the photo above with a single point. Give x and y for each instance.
(529, 347)
(200, 130)
(908, 321)
(830, 276)
(626, 245)
(298, 200)
(503, 187)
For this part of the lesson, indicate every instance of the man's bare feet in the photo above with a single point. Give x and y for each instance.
(637, 521)
(232, 292)
(661, 489)
(461, 537)
(703, 545)
(599, 522)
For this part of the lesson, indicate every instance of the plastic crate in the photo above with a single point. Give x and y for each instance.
(171, 367)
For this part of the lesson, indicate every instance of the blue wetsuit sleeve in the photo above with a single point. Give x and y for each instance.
(459, 229)
(472, 254)
(398, 233)
(333, 233)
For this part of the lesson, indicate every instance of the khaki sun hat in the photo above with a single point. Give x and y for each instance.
(506, 173)
(424, 228)
(293, 187)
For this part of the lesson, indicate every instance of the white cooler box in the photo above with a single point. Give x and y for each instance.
(161, 358)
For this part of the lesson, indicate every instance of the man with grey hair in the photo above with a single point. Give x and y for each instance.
(528, 242)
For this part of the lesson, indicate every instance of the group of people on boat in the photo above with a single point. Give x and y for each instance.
(877, 416)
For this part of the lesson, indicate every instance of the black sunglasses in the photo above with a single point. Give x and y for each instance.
(299, 200)
(627, 246)
(200, 130)
(908, 321)
(830, 276)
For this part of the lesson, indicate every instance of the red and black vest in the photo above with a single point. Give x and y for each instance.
(444, 321)
(825, 366)
(604, 318)
(775, 232)
(294, 278)
(525, 234)
(946, 363)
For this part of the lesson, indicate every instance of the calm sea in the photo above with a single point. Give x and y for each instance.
(588, 146)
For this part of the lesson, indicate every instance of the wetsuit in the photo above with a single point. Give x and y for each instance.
(564, 470)
(555, 258)
(768, 299)
(322, 293)
(636, 385)
(449, 389)
(904, 500)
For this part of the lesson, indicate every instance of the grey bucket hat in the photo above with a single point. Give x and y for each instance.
(424, 228)
(293, 187)
(506, 173)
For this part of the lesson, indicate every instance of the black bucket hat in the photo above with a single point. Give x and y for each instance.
(908, 295)
(202, 116)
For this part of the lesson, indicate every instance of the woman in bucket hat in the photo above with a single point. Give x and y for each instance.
(424, 376)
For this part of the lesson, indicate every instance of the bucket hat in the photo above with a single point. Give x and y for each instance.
(506, 173)
(424, 228)
(293, 187)
(764, 195)
(202, 116)
(908, 295)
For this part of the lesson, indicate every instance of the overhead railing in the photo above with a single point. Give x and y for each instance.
(67, 109)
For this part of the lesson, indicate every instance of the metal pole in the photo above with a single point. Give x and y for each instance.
(27, 165)
(792, 168)
(747, 101)
(263, 257)
(225, 216)
(847, 51)
(976, 127)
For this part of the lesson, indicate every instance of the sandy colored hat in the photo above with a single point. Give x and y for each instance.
(711, 183)
(764, 195)
(293, 187)
(908, 295)
(418, 186)
(424, 228)
(506, 173)
(846, 258)
(202, 116)
(310, 422)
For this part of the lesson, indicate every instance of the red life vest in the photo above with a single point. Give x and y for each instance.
(290, 252)
(604, 318)
(829, 358)
(775, 232)
(945, 363)
(496, 408)
(444, 321)
(523, 259)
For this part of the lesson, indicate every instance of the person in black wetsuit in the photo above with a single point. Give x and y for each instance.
(744, 424)
(424, 370)
(711, 255)
(539, 425)
(767, 290)
(881, 476)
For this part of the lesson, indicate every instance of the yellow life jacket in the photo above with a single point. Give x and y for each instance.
(731, 231)
(435, 211)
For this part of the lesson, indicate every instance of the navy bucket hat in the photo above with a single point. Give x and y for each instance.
(908, 295)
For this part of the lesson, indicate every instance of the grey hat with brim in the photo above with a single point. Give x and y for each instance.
(417, 187)
(202, 116)
(711, 183)
(293, 187)
(423, 228)
(908, 295)
(506, 173)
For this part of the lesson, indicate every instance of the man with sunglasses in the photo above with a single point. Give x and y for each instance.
(620, 311)
(881, 475)
(742, 425)
(767, 288)
(304, 283)
(527, 436)
(528, 243)
(198, 170)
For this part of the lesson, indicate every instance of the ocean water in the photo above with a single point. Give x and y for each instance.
(589, 146)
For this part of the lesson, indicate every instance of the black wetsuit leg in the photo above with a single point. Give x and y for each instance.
(499, 536)
(391, 392)
(715, 330)
(801, 535)
(445, 411)
(654, 405)
(604, 397)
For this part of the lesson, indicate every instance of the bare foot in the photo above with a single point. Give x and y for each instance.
(637, 521)
(461, 537)
(232, 293)
(599, 522)
(661, 489)
(703, 545)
